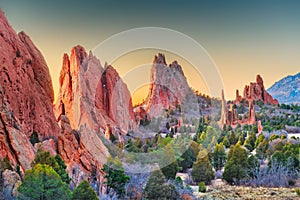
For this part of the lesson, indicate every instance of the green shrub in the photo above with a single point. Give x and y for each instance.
(84, 191)
(298, 192)
(5, 164)
(42, 182)
(202, 187)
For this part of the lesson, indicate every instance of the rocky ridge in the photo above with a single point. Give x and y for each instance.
(256, 91)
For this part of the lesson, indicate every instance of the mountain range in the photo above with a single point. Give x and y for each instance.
(287, 90)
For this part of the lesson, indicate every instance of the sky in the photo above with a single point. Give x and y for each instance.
(243, 38)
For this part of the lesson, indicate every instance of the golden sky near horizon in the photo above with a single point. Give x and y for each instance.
(243, 38)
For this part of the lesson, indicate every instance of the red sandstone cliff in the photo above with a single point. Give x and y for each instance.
(26, 96)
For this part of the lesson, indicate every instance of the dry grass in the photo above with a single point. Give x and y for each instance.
(248, 193)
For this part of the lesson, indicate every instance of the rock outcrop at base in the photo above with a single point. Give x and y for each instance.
(82, 151)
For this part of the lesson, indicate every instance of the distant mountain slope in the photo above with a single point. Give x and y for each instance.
(287, 90)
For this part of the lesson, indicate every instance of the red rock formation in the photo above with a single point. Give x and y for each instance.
(238, 97)
(91, 99)
(93, 95)
(251, 114)
(114, 99)
(141, 114)
(256, 91)
(259, 127)
(230, 116)
(168, 86)
(81, 150)
(26, 96)
(26, 82)
(14, 144)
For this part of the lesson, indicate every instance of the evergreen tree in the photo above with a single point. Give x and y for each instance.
(44, 157)
(169, 166)
(259, 140)
(158, 188)
(226, 142)
(219, 156)
(186, 160)
(237, 164)
(62, 169)
(202, 170)
(232, 138)
(42, 182)
(261, 149)
(253, 166)
(84, 192)
(250, 142)
(115, 176)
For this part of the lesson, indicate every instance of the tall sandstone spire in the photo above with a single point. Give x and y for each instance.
(93, 95)
(168, 86)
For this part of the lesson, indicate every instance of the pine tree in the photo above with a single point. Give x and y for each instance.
(42, 182)
(84, 191)
(115, 176)
(169, 166)
(232, 138)
(253, 166)
(202, 169)
(226, 142)
(158, 188)
(44, 157)
(237, 164)
(219, 156)
(186, 160)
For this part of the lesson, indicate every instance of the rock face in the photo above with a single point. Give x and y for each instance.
(287, 90)
(92, 95)
(81, 150)
(26, 82)
(93, 103)
(256, 91)
(168, 86)
(26, 96)
(13, 142)
(11, 181)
